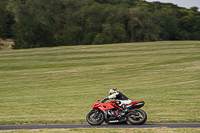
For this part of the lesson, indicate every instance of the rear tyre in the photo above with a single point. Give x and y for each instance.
(94, 118)
(137, 117)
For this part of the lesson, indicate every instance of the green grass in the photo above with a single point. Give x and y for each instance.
(60, 84)
(110, 130)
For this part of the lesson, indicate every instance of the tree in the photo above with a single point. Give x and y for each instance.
(114, 33)
(190, 26)
(6, 20)
(194, 8)
(168, 23)
(90, 19)
(141, 26)
(34, 28)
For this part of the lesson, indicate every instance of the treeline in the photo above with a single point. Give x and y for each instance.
(46, 23)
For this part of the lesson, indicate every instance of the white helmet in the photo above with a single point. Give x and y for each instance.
(112, 91)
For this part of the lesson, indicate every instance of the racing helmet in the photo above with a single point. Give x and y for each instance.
(112, 91)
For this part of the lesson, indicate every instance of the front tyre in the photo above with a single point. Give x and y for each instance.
(137, 117)
(95, 117)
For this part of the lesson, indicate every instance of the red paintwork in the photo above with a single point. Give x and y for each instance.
(109, 105)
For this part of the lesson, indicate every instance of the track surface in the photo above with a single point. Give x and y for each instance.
(177, 125)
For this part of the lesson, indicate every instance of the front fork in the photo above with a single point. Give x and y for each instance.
(97, 113)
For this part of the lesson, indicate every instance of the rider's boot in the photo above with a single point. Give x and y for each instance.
(125, 109)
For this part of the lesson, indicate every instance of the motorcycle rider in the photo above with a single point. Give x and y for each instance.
(120, 98)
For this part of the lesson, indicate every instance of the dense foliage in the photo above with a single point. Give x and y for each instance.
(6, 20)
(45, 23)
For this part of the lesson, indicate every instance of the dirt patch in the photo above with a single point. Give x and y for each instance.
(6, 44)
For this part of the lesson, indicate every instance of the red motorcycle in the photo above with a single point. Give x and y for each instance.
(110, 112)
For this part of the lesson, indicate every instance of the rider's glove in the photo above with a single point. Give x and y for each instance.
(105, 99)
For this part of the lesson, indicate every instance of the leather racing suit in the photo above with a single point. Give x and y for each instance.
(120, 98)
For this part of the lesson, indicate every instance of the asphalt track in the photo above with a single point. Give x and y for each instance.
(169, 125)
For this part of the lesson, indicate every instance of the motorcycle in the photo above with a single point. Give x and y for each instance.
(111, 113)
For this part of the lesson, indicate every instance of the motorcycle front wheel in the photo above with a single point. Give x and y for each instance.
(137, 117)
(94, 118)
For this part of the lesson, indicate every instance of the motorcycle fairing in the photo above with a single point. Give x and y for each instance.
(136, 104)
(112, 105)
(105, 106)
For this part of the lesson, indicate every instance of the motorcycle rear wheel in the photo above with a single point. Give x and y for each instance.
(137, 117)
(94, 119)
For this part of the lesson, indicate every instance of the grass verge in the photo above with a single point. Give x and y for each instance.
(59, 85)
(110, 130)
